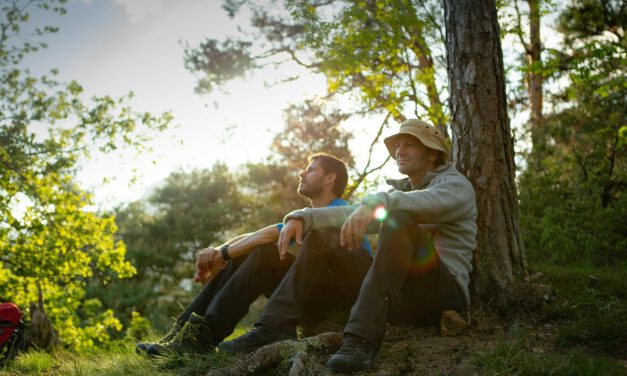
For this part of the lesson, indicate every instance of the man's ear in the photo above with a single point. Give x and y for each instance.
(433, 155)
(330, 178)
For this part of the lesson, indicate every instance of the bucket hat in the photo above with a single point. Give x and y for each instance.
(426, 133)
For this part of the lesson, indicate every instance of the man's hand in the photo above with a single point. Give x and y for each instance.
(208, 263)
(292, 229)
(354, 227)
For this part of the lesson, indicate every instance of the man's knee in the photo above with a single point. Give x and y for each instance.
(324, 236)
(319, 242)
(398, 220)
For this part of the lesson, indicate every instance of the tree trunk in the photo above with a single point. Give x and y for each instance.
(482, 143)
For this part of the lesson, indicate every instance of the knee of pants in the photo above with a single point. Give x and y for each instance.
(324, 238)
(398, 221)
(328, 235)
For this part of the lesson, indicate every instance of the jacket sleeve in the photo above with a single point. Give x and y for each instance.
(444, 201)
(315, 218)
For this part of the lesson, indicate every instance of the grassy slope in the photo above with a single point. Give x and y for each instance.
(580, 328)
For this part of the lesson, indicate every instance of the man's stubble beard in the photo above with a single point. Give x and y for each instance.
(310, 193)
(421, 163)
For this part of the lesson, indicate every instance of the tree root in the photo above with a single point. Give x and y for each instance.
(296, 354)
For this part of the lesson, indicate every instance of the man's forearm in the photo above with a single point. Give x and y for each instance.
(236, 239)
(243, 244)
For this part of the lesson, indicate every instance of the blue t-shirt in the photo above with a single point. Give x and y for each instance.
(339, 202)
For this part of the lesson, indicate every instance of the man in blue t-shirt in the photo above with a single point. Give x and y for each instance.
(236, 273)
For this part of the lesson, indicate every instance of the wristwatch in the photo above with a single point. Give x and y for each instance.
(224, 251)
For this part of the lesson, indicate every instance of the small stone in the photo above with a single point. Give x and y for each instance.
(452, 324)
(533, 277)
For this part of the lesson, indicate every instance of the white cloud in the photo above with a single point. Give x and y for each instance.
(137, 10)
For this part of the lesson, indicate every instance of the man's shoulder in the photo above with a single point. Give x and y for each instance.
(450, 175)
(449, 172)
(338, 202)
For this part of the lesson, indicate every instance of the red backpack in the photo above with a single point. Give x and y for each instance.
(11, 332)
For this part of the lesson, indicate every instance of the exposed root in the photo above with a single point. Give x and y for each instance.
(294, 354)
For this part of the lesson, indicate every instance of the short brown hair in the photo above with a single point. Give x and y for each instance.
(329, 164)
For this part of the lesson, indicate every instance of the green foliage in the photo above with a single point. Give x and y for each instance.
(219, 64)
(386, 56)
(190, 211)
(573, 206)
(585, 18)
(138, 328)
(49, 240)
(379, 52)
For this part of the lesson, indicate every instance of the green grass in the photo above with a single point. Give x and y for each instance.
(118, 359)
(587, 315)
(590, 307)
(31, 363)
(588, 311)
(518, 357)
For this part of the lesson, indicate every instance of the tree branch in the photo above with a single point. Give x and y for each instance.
(519, 31)
(365, 172)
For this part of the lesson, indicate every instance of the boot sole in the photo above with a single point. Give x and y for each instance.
(340, 369)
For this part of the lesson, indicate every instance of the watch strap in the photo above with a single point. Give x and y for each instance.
(224, 251)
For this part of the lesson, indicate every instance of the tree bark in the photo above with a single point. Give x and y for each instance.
(482, 143)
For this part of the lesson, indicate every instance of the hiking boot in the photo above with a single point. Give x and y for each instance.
(143, 347)
(355, 354)
(195, 336)
(257, 337)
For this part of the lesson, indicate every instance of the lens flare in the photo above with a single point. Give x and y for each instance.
(426, 259)
(380, 213)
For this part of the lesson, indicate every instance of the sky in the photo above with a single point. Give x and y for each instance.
(112, 47)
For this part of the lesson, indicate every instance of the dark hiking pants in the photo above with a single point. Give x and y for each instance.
(407, 282)
(324, 278)
(224, 301)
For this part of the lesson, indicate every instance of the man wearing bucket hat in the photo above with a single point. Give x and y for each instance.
(427, 228)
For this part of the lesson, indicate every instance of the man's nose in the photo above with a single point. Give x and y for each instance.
(302, 174)
(400, 150)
